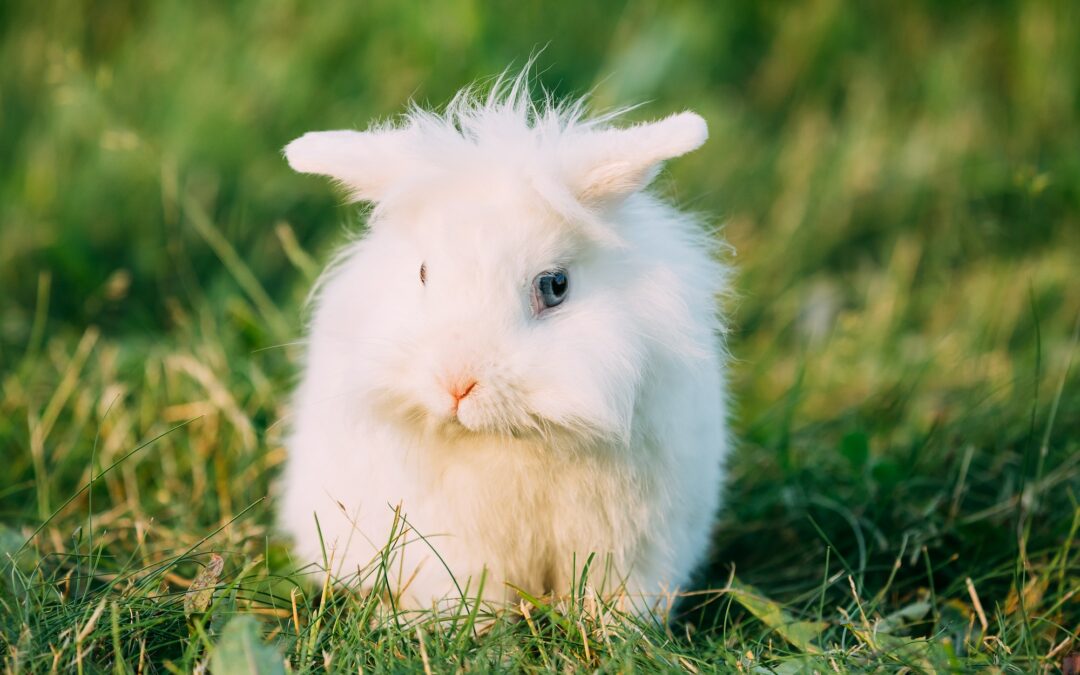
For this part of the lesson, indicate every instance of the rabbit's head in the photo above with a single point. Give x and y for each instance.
(513, 280)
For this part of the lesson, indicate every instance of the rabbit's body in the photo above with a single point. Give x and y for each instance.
(517, 429)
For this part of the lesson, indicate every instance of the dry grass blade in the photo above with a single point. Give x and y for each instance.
(799, 633)
(201, 592)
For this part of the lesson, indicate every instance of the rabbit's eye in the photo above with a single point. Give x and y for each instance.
(549, 289)
(423, 273)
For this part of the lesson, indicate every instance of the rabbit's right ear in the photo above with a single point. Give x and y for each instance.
(365, 163)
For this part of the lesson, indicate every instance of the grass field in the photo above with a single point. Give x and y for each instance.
(900, 183)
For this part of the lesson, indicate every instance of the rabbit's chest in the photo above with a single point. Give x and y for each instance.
(535, 512)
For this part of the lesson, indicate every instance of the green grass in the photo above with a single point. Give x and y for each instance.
(900, 181)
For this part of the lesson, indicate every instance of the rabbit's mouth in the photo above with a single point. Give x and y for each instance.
(453, 429)
(483, 413)
(528, 427)
(479, 417)
(467, 419)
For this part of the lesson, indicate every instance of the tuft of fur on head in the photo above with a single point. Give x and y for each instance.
(579, 163)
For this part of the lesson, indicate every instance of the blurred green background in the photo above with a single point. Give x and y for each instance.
(900, 182)
(840, 132)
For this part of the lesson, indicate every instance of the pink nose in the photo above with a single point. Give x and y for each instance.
(459, 389)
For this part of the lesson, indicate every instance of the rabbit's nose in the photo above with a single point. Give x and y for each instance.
(460, 388)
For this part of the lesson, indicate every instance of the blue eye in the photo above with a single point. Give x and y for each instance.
(549, 289)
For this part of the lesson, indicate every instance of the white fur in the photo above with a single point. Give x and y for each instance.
(597, 427)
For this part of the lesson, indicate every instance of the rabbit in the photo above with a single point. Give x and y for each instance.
(518, 368)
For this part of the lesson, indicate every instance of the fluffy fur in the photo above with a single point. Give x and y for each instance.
(594, 427)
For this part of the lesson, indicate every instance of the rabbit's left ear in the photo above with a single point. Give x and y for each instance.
(614, 163)
(365, 163)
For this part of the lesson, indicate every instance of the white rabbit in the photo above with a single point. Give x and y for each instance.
(522, 356)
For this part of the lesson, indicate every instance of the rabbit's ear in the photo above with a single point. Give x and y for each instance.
(615, 163)
(365, 163)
